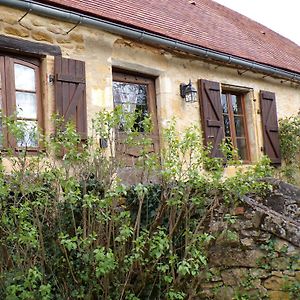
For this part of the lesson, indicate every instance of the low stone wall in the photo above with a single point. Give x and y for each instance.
(257, 254)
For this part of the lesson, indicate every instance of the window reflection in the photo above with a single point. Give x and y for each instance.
(26, 104)
(24, 78)
(30, 131)
(239, 126)
(224, 103)
(132, 98)
(242, 148)
(234, 123)
(226, 125)
(236, 104)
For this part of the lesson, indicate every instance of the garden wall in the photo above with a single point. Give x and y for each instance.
(257, 255)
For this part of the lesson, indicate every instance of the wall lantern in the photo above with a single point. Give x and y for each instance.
(188, 92)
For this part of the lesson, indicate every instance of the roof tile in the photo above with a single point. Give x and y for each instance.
(205, 23)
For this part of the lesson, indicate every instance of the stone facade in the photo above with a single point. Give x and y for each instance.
(253, 257)
(259, 253)
(102, 51)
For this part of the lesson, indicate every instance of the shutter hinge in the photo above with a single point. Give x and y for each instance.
(51, 79)
(103, 143)
(262, 149)
(258, 111)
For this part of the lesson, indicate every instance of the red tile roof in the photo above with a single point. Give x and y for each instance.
(204, 23)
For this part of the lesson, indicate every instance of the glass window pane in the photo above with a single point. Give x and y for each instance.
(239, 126)
(236, 102)
(229, 146)
(26, 105)
(29, 136)
(24, 78)
(133, 99)
(242, 148)
(224, 103)
(226, 125)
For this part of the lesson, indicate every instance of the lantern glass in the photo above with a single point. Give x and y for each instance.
(189, 92)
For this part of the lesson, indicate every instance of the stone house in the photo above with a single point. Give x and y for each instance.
(78, 57)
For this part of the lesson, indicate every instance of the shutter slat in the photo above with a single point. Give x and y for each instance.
(71, 92)
(270, 127)
(211, 115)
(69, 78)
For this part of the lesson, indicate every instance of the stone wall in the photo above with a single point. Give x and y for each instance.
(256, 254)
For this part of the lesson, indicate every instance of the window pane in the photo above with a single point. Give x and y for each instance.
(224, 103)
(24, 78)
(133, 99)
(226, 125)
(239, 126)
(229, 146)
(26, 105)
(29, 138)
(236, 104)
(242, 148)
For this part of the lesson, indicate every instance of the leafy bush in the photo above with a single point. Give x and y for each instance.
(289, 129)
(69, 228)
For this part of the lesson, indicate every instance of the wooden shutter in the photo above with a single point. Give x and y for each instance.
(211, 115)
(70, 92)
(270, 126)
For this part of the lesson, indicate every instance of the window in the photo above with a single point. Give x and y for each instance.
(20, 97)
(234, 119)
(223, 118)
(135, 94)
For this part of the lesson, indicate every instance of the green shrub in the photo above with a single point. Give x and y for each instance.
(69, 229)
(289, 129)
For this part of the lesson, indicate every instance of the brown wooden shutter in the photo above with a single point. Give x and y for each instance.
(211, 115)
(270, 126)
(70, 92)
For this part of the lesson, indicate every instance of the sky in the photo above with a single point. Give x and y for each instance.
(280, 16)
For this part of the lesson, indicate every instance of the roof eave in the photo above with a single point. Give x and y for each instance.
(150, 38)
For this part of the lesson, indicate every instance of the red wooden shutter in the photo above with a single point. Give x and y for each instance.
(270, 126)
(70, 92)
(211, 115)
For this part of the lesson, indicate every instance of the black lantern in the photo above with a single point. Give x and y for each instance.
(188, 92)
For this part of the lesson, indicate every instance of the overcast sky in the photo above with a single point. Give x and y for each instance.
(280, 16)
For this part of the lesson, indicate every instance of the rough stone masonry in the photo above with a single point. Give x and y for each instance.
(258, 255)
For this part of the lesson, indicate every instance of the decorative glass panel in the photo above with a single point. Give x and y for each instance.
(226, 125)
(29, 136)
(236, 104)
(133, 99)
(224, 103)
(239, 126)
(26, 105)
(24, 78)
(242, 150)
